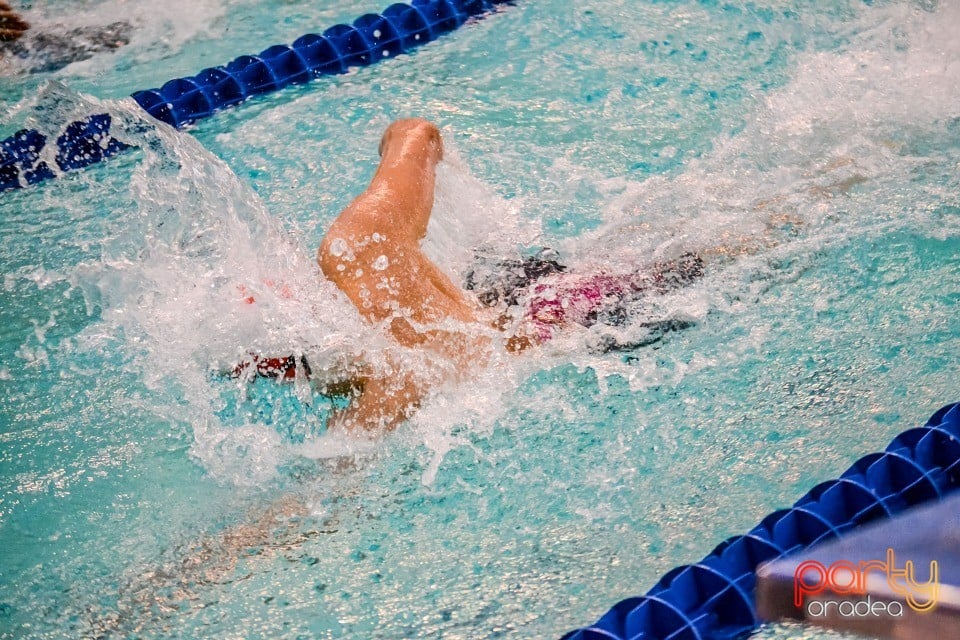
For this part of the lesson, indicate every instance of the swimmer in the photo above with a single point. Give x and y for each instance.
(372, 254)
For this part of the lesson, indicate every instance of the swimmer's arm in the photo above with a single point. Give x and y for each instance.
(396, 205)
(400, 195)
(383, 403)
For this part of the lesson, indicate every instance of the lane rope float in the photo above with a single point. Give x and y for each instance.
(713, 599)
(25, 159)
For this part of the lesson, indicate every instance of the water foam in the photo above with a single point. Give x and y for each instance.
(855, 116)
(196, 275)
(824, 158)
(191, 276)
(853, 145)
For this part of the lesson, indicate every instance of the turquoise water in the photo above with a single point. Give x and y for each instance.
(141, 495)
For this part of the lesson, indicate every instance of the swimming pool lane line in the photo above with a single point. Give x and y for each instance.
(369, 39)
(713, 599)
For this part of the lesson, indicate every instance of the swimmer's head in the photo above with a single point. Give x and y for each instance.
(410, 136)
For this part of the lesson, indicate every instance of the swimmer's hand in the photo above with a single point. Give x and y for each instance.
(379, 403)
(514, 343)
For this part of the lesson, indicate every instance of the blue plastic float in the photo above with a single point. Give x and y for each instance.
(181, 101)
(713, 599)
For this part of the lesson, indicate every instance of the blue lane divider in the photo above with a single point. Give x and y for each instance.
(181, 101)
(713, 599)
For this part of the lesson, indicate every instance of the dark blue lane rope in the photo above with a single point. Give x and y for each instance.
(713, 599)
(370, 39)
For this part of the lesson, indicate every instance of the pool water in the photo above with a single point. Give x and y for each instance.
(142, 494)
